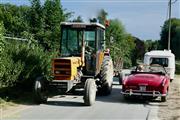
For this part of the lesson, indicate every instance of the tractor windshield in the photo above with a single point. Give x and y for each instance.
(71, 42)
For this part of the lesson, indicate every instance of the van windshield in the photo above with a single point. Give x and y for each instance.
(159, 61)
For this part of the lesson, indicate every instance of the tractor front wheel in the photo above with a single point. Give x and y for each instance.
(40, 90)
(89, 92)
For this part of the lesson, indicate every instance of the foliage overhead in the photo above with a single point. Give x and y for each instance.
(123, 43)
(175, 36)
(78, 19)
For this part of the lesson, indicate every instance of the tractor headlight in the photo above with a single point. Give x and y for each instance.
(57, 72)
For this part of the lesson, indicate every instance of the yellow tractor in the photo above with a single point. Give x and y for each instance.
(84, 63)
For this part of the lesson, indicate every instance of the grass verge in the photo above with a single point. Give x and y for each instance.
(4, 104)
(13, 97)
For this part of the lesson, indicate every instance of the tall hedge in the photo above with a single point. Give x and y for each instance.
(23, 62)
(2, 68)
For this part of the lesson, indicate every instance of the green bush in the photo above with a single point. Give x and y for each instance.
(10, 71)
(23, 62)
(1, 38)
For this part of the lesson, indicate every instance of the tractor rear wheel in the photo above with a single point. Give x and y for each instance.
(89, 92)
(40, 90)
(106, 76)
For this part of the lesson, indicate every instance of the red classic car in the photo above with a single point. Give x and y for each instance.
(147, 81)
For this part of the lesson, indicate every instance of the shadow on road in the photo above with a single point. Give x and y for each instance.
(66, 103)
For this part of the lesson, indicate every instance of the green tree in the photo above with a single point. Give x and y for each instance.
(175, 36)
(102, 16)
(151, 45)
(123, 43)
(139, 51)
(36, 17)
(93, 20)
(53, 13)
(14, 19)
(78, 19)
(2, 43)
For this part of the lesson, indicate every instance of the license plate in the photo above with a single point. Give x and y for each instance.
(142, 88)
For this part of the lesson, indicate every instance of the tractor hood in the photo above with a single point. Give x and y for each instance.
(76, 61)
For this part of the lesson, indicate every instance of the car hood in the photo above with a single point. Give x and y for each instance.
(145, 79)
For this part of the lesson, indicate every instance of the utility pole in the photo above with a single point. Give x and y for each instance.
(169, 35)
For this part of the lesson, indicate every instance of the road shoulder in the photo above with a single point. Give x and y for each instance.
(170, 110)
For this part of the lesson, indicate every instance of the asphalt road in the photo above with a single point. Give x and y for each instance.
(106, 107)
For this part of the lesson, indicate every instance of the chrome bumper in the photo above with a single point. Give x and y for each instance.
(143, 93)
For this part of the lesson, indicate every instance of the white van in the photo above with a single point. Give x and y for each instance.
(164, 58)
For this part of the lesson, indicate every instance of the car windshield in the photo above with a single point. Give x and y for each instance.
(71, 42)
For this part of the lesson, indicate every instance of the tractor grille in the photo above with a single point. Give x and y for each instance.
(62, 68)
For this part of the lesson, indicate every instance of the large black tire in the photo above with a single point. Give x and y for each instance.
(164, 98)
(89, 92)
(120, 76)
(40, 90)
(106, 76)
(126, 97)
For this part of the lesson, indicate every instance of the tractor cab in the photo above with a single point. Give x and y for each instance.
(83, 41)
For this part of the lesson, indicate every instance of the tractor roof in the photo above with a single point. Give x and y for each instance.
(82, 25)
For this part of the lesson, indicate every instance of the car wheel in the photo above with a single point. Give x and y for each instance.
(163, 98)
(126, 97)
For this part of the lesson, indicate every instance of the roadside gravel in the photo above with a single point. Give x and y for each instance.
(170, 110)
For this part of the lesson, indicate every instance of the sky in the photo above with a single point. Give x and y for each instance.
(141, 18)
